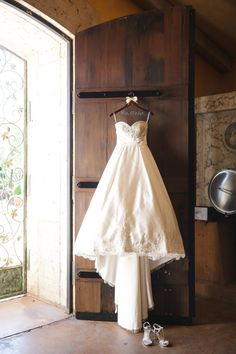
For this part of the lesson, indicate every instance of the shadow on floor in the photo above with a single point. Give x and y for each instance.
(212, 311)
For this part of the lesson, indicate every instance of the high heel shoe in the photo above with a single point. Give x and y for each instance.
(147, 329)
(159, 332)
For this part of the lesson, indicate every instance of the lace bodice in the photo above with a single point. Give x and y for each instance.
(131, 134)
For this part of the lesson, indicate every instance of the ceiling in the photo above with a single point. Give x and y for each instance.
(216, 18)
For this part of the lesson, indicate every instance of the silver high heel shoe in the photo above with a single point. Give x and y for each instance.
(147, 339)
(159, 333)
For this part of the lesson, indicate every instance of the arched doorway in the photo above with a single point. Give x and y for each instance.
(37, 258)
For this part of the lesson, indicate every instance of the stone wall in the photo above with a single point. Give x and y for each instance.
(76, 15)
(216, 139)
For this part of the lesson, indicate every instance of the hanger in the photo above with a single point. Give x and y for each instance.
(131, 100)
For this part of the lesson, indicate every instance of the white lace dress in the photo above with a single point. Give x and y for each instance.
(130, 220)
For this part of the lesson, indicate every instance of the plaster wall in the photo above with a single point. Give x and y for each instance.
(208, 81)
(76, 15)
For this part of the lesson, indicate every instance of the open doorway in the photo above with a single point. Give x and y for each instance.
(35, 178)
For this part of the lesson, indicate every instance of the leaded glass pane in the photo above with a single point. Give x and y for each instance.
(12, 160)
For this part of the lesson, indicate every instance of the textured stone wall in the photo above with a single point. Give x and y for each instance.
(216, 150)
(76, 15)
(216, 139)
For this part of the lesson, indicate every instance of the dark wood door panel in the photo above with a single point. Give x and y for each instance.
(168, 137)
(82, 200)
(94, 297)
(107, 299)
(173, 273)
(90, 142)
(150, 50)
(171, 300)
(84, 264)
(121, 47)
(89, 295)
(143, 51)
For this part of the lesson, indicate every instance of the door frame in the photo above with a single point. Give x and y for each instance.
(37, 17)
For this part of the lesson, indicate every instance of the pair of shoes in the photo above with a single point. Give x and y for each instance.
(154, 333)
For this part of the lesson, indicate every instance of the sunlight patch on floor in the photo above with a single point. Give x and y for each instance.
(25, 313)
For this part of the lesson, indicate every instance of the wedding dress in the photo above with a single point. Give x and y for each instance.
(130, 226)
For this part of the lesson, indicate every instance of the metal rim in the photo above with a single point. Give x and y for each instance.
(217, 207)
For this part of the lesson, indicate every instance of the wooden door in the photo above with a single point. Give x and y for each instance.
(148, 51)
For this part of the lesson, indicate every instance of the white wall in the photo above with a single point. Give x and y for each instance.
(48, 164)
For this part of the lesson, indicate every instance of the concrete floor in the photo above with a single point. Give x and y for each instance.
(25, 313)
(213, 332)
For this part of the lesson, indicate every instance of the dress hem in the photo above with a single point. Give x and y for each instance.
(173, 256)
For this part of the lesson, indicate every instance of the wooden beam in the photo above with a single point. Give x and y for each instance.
(204, 45)
(210, 51)
(161, 5)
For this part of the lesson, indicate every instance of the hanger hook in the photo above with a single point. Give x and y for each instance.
(131, 94)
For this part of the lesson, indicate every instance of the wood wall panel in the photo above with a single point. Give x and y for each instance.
(89, 295)
(90, 142)
(164, 304)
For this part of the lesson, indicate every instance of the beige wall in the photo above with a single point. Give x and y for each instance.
(209, 81)
(76, 15)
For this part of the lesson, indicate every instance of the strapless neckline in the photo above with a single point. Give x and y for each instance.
(131, 125)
